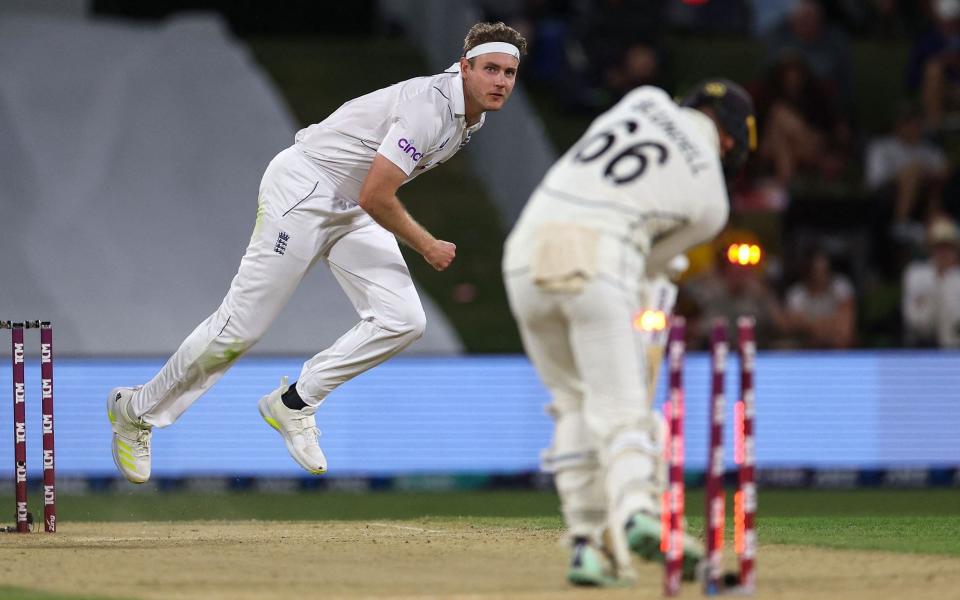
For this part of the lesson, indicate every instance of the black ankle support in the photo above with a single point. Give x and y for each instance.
(291, 399)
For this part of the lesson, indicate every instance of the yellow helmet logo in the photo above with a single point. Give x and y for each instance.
(715, 89)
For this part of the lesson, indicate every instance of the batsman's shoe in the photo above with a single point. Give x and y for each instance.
(298, 428)
(131, 436)
(643, 536)
(590, 566)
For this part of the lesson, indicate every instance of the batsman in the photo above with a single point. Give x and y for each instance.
(598, 242)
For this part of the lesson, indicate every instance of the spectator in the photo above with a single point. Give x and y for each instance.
(803, 127)
(711, 17)
(821, 308)
(638, 66)
(616, 43)
(933, 70)
(907, 174)
(824, 47)
(545, 25)
(884, 19)
(931, 290)
(730, 290)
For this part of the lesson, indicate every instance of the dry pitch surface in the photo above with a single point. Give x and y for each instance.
(401, 559)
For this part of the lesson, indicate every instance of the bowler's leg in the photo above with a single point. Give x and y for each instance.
(282, 249)
(369, 267)
(261, 288)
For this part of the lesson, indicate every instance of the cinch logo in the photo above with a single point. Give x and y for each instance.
(408, 148)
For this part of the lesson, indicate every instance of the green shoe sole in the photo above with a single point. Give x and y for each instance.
(643, 537)
(587, 570)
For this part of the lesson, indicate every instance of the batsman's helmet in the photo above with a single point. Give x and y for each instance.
(733, 110)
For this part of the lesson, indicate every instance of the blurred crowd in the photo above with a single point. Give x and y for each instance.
(857, 221)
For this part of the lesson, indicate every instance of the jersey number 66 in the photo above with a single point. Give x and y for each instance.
(627, 164)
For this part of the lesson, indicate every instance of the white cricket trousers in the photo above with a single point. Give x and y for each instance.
(300, 220)
(605, 450)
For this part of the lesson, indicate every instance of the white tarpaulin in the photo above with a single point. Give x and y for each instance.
(130, 158)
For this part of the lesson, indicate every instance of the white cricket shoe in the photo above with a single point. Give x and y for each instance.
(131, 437)
(298, 428)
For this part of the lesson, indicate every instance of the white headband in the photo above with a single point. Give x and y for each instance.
(489, 47)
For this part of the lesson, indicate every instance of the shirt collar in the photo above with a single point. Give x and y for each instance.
(456, 89)
(459, 104)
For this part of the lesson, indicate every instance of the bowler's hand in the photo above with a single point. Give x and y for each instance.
(440, 254)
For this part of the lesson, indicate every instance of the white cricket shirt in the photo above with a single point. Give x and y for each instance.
(931, 304)
(643, 169)
(417, 124)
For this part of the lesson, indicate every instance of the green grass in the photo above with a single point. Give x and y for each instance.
(450, 202)
(179, 506)
(913, 521)
(851, 503)
(914, 535)
(924, 521)
(305, 506)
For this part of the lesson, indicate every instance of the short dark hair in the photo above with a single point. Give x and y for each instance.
(481, 33)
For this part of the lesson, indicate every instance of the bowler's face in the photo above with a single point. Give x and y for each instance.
(489, 82)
